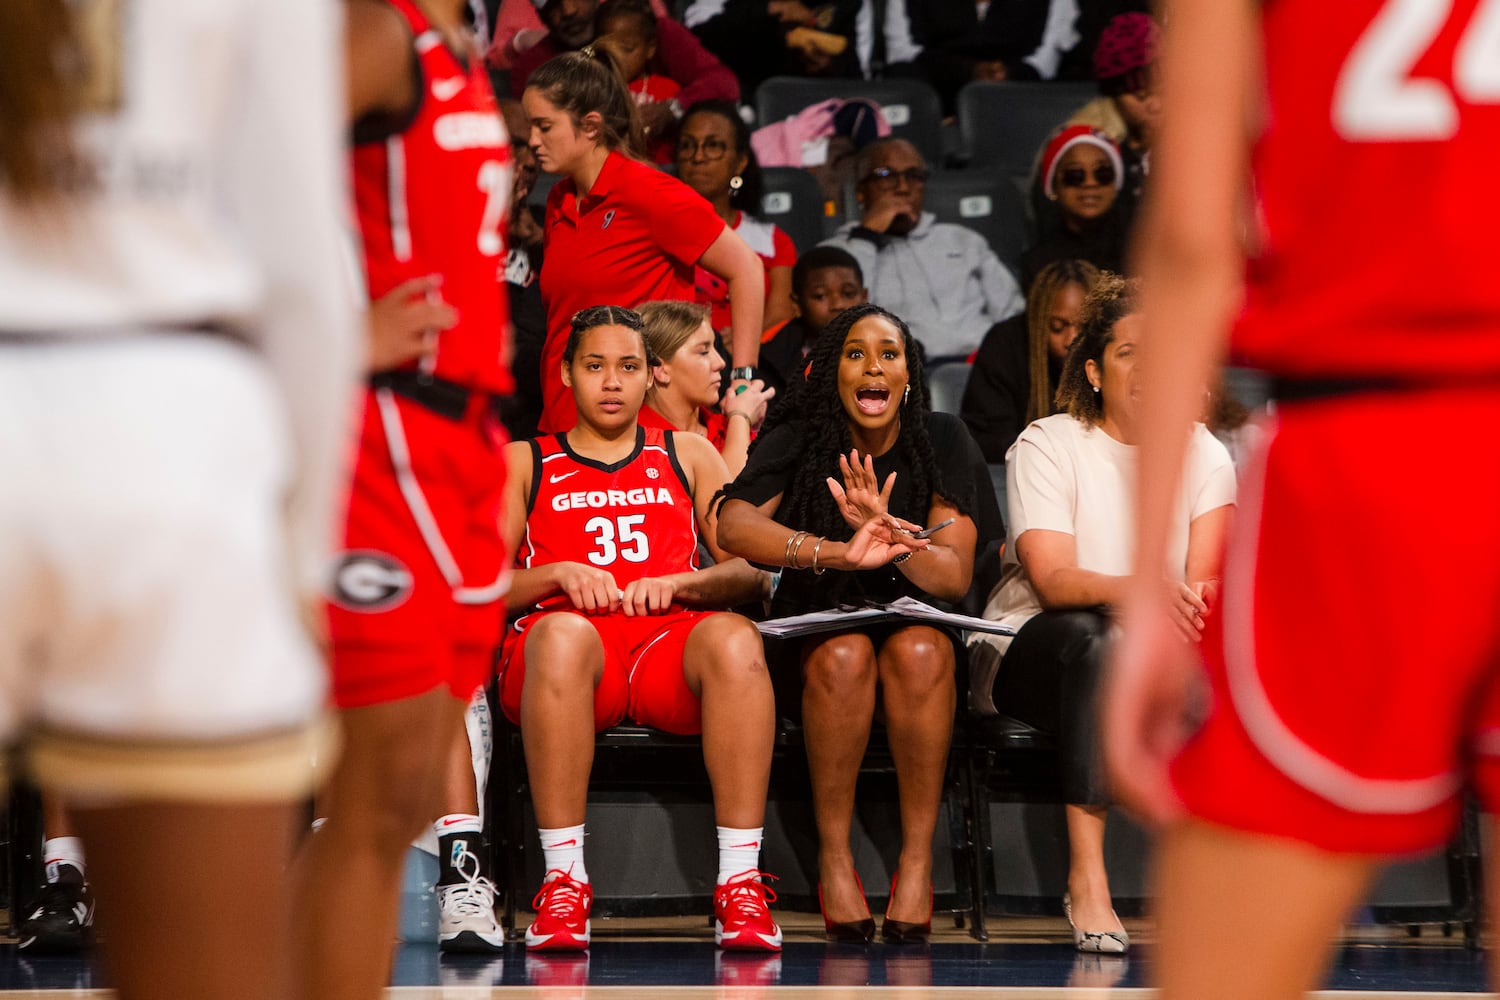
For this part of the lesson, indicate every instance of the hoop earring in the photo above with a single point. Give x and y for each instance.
(736, 182)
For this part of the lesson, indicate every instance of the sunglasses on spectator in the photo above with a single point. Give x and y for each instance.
(1077, 177)
(711, 148)
(886, 177)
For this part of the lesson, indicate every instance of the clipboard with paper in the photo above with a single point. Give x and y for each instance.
(838, 619)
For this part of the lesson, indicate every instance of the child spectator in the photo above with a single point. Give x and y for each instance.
(825, 282)
(1082, 174)
(628, 29)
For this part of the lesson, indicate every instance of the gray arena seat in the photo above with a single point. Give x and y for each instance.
(985, 202)
(1004, 124)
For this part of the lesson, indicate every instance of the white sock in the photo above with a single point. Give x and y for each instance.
(62, 851)
(562, 850)
(739, 851)
(456, 823)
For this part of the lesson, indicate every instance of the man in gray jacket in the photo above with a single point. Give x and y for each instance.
(942, 279)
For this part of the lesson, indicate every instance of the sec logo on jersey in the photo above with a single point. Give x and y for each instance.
(370, 581)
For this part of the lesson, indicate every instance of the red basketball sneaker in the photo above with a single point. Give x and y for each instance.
(562, 915)
(742, 920)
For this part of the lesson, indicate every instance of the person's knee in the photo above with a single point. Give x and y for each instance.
(1083, 652)
(841, 667)
(727, 650)
(565, 652)
(917, 662)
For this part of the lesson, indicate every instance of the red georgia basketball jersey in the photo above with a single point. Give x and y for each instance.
(432, 199)
(634, 518)
(1379, 222)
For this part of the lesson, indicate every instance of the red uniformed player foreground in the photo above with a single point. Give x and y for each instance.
(624, 625)
(1354, 680)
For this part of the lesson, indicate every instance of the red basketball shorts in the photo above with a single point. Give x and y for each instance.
(417, 594)
(1353, 659)
(642, 679)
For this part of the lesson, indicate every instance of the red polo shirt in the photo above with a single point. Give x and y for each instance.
(635, 237)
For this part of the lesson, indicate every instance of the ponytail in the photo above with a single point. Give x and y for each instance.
(587, 81)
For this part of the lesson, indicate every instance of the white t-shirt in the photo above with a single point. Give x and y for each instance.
(1064, 475)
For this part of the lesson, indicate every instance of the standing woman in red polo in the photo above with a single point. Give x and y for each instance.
(617, 229)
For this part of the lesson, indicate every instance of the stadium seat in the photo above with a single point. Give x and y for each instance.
(912, 107)
(1004, 124)
(945, 384)
(793, 200)
(984, 202)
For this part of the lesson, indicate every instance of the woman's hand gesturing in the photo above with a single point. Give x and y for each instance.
(860, 498)
(879, 540)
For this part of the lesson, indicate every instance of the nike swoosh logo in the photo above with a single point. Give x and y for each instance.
(446, 89)
(571, 841)
(565, 475)
(453, 822)
(753, 843)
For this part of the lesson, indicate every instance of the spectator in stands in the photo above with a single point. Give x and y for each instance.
(1081, 175)
(714, 158)
(863, 413)
(962, 41)
(518, 27)
(759, 39)
(942, 278)
(1127, 109)
(679, 56)
(1071, 488)
(825, 282)
(685, 383)
(1016, 372)
(628, 29)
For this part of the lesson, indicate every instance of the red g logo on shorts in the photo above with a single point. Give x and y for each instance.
(370, 581)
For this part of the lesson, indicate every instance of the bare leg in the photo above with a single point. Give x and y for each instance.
(460, 793)
(564, 662)
(724, 663)
(1088, 882)
(1247, 917)
(163, 873)
(838, 704)
(918, 693)
(55, 819)
(383, 792)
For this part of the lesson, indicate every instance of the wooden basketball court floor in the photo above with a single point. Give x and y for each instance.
(675, 959)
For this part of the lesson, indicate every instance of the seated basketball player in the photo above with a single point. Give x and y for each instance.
(605, 520)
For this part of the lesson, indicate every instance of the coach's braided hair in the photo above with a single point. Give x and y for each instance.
(38, 96)
(591, 317)
(816, 413)
(1110, 300)
(589, 80)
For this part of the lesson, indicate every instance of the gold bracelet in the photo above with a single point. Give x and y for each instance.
(816, 571)
(798, 548)
(739, 413)
(786, 555)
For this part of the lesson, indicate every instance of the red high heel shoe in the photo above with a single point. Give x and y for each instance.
(899, 931)
(854, 931)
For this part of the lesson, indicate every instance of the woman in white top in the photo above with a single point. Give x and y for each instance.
(177, 355)
(1070, 478)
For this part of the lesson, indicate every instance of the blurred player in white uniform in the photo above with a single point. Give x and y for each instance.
(177, 348)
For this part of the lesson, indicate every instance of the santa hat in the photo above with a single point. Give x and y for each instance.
(1078, 135)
